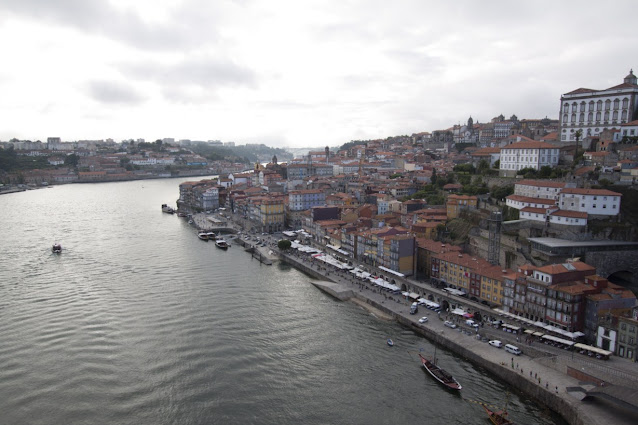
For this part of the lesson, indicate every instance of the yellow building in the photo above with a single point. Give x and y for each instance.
(271, 214)
(457, 203)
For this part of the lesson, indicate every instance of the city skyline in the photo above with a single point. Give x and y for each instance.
(291, 74)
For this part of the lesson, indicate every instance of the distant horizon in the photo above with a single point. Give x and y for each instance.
(285, 73)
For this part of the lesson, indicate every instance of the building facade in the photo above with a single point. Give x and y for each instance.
(592, 111)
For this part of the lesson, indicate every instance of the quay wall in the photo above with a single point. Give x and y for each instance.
(553, 401)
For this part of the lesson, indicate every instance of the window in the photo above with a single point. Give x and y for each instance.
(607, 105)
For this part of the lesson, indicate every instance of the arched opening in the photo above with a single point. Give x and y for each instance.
(393, 282)
(624, 278)
(404, 287)
(431, 297)
(445, 306)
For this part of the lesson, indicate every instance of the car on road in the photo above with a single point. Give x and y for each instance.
(450, 324)
(423, 319)
(496, 343)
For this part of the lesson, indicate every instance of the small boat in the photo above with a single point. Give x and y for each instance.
(497, 417)
(203, 236)
(439, 374)
(211, 236)
(57, 248)
(220, 243)
(167, 209)
(390, 342)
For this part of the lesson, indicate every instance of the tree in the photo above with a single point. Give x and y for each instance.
(71, 160)
(284, 244)
(577, 135)
(497, 164)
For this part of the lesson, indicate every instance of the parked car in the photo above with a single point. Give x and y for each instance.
(423, 319)
(496, 343)
(450, 324)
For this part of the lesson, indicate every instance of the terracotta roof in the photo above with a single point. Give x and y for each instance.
(540, 183)
(529, 199)
(572, 214)
(632, 123)
(581, 90)
(596, 192)
(560, 268)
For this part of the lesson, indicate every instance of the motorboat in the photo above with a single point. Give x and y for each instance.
(167, 209)
(390, 342)
(221, 243)
(203, 236)
(57, 248)
(211, 236)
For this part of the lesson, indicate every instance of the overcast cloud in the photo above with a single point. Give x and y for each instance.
(291, 73)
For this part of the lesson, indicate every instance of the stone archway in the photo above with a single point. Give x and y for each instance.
(445, 306)
(624, 278)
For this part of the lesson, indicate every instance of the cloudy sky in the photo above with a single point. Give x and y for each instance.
(297, 73)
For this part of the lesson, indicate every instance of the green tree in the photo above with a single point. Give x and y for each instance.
(497, 164)
(284, 244)
(71, 160)
(545, 172)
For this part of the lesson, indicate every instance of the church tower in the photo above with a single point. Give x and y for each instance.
(631, 78)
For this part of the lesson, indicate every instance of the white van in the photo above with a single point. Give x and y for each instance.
(513, 349)
(471, 323)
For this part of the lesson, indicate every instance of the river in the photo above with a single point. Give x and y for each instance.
(140, 322)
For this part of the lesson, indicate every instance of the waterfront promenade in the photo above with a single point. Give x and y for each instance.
(538, 372)
(559, 391)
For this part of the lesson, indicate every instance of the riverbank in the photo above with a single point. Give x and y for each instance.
(530, 374)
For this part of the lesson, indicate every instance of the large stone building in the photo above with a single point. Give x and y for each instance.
(592, 111)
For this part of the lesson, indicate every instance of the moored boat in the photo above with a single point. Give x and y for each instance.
(57, 248)
(439, 374)
(167, 209)
(203, 236)
(390, 342)
(220, 243)
(211, 236)
(497, 417)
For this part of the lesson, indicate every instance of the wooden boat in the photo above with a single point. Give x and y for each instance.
(497, 417)
(167, 209)
(203, 236)
(439, 374)
(390, 342)
(220, 243)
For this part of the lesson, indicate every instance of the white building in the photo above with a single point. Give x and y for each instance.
(593, 111)
(590, 201)
(553, 215)
(629, 129)
(527, 153)
(545, 189)
(519, 202)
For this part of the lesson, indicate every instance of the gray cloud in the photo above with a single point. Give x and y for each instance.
(114, 92)
(100, 18)
(192, 79)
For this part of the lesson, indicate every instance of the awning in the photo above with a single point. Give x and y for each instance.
(414, 295)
